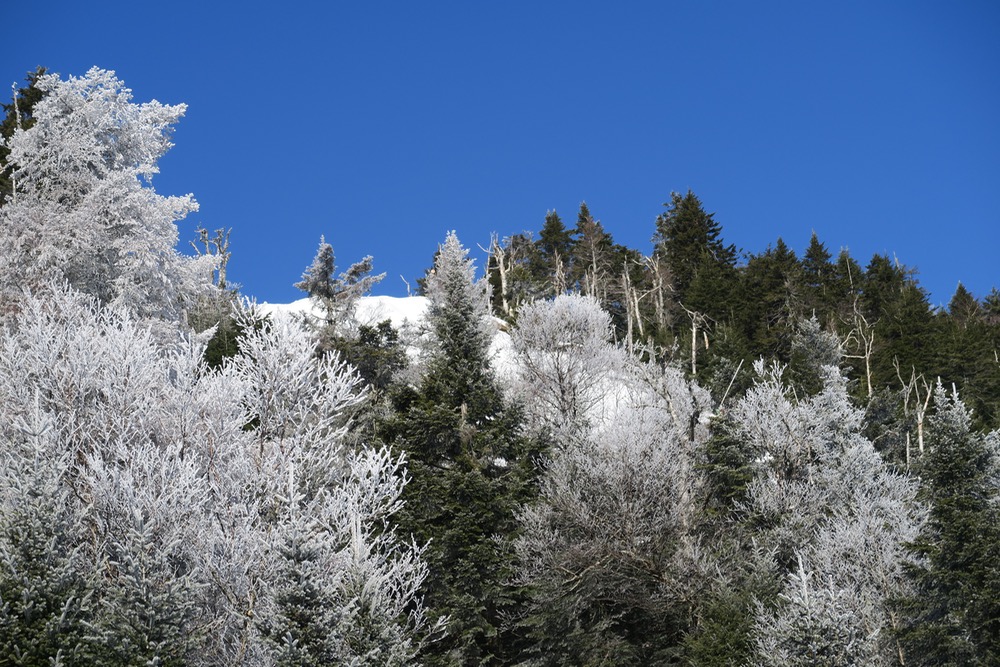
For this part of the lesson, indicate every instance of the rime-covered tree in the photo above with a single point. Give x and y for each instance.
(335, 296)
(564, 359)
(83, 208)
(836, 519)
(608, 552)
(18, 115)
(176, 497)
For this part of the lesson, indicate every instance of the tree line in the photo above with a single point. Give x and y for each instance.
(690, 458)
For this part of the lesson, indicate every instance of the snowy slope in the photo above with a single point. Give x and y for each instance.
(370, 309)
(406, 313)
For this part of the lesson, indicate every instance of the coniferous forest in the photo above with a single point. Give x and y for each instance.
(704, 456)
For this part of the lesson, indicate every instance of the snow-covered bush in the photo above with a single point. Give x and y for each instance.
(837, 519)
(160, 511)
(608, 553)
(566, 365)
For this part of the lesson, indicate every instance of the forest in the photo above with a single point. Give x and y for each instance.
(704, 456)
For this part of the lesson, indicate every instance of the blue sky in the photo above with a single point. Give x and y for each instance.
(385, 124)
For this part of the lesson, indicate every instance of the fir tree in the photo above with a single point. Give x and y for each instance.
(954, 614)
(691, 242)
(817, 272)
(336, 296)
(470, 469)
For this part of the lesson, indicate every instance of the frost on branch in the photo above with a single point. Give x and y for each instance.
(567, 368)
(84, 210)
(180, 499)
(836, 518)
(336, 297)
(609, 552)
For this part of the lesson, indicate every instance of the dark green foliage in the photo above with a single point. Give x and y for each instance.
(376, 353)
(555, 241)
(470, 469)
(701, 265)
(954, 616)
(46, 602)
(299, 633)
(722, 635)
(772, 282)
(224, 342)
(965, 348)
(728, 468)
(216, 311)
(592, 251)
(147, 608)
(817, 272)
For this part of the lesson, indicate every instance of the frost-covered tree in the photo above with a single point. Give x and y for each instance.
(46, 599)
(325, 509)
(185, 506)
(608, 553)
(336, 296)
(565, 363)
(83, 208)
(836, 519)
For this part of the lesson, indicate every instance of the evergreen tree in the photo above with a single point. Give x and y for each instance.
(954, 614)
(772, 282)
(591, 267)
(469, 469)
(691, 242)
(817, 273)
(336, 296)
(46, 597)
(554, 240)
(965, 347)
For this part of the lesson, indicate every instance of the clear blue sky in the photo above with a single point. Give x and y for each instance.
(385, 124)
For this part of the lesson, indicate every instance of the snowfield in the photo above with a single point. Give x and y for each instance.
(408, 315)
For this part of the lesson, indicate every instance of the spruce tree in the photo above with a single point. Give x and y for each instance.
(817, 272)
(772, 280)
(691, 242)
(469, 470)
(336, 296)
(554, 247)
(954, 614)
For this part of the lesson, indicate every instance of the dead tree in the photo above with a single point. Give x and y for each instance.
(913, 387)
(215, 246)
